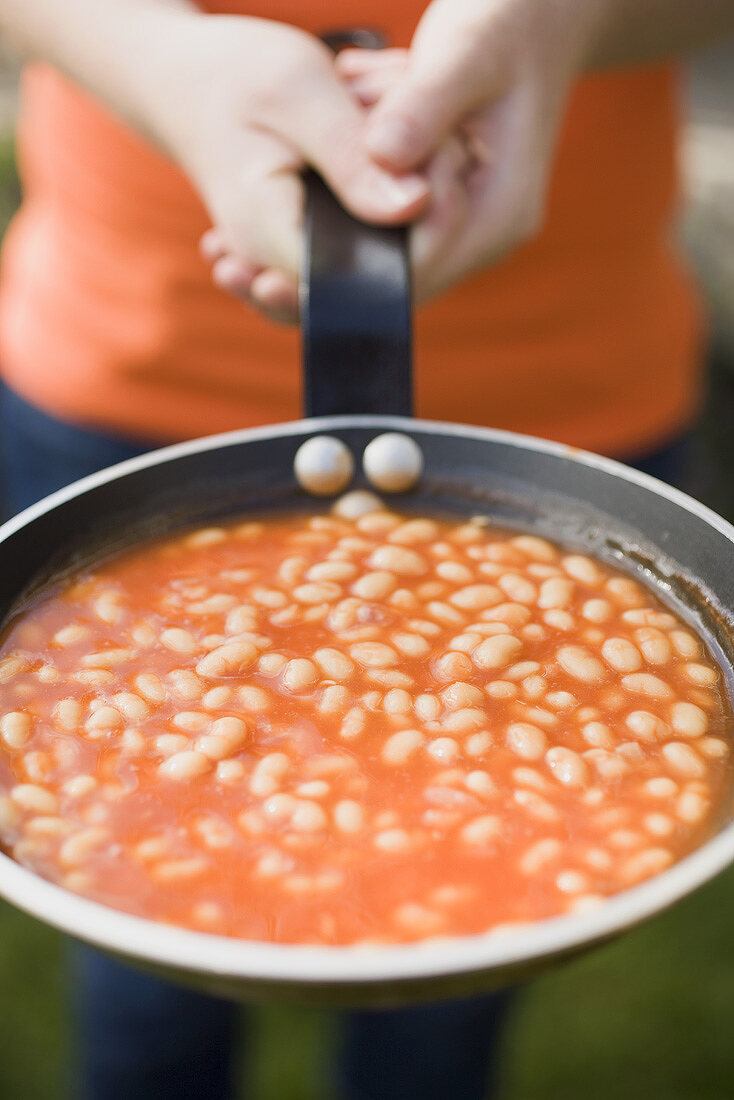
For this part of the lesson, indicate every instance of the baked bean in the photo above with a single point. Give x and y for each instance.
(452, 666)
(700, 675)
(334, 699)
(526, 741)
(561, 700)
(644, 683)
(597, 611)
(185, 765)
(646, 726)
(398, 559)
(684, 644)
(476, 597)
(374, 655)
(267, 774)
(398, 748)
(334, 664)
(427, 707)
(252, 699)
(688, 720)
(150, 687)
(482, 830)
(454, 572)
(464, 719)
(579, 663)
(626, 593)
(566, 766)
(131, 706)
(692, 807)
(621, 655)
(230, 771)
(103, 720)
(443, 749)
(497, 651)
(684, 760)
(353, 724)
(397, 701)
(411, 645)
(598, 735)
(654, 645)
(480, 783)
(300, 674)
(271, 664)
(393, 840)
(461, 694)
(556, 593)
(70, 635)
(650, 862)
(15, 728)
(535, 548)
(76, 849)
(227, 660)
(179, 640)
(36, 799)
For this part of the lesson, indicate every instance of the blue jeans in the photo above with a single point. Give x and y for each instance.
(143, 1038)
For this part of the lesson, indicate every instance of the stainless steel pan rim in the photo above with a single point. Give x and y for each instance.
(219, 956)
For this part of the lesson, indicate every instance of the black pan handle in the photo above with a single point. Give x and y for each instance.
(355, 306)
(355, 312)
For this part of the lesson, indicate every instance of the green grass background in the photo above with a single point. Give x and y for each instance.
(646, 1018)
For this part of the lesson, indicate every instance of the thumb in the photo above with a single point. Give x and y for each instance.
(412, 119)
(453, 67)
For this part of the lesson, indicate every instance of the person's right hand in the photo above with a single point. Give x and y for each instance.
(243, 105)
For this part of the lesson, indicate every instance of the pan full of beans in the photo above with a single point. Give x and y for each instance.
(384, 747)
(363, 708)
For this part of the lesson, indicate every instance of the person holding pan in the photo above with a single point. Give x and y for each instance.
(531, 145)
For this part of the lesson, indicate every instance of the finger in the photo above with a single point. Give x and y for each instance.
(445, 219)
(212, 244)
(369, 88)
(355, 62)
(234, 274)
(324, 123)
(504, 197)
(255, 197)
(277, 293)
(454, 66)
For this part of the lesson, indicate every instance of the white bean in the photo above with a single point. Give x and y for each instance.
(497, 651)
(398, 748)
(567, 766)
(579, 663)
(684, 759)
(526, 741)
(185, 765)
(481, 830)
(300, 674)
(228, 659)
(644, 683)
(621, 655)
(15, 728)
(688, 720)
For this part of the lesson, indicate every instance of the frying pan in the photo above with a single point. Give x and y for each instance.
(356, 317)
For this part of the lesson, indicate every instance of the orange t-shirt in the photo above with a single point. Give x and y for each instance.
(589, 334)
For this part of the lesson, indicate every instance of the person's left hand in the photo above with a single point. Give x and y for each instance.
(491, 79)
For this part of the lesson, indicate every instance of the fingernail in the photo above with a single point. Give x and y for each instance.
(391, 138)
(398, 192)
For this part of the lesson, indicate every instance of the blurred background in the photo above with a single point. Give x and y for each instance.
(648, 1017)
